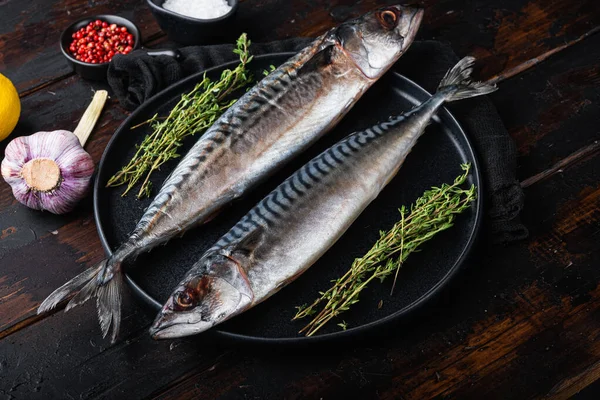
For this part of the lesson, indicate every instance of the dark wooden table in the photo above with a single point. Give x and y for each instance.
(522, 321)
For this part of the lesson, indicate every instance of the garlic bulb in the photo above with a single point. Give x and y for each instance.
(51, 170)
(48, 170)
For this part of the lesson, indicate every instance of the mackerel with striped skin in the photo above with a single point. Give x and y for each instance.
(276, 120)
(296, 223)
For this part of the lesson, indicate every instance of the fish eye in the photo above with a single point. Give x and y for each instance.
(388, 19)
(185, 298)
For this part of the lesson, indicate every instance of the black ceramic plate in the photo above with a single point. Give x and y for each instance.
(435, 160)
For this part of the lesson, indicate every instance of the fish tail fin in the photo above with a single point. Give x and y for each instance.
(457, 84)
(104, 282)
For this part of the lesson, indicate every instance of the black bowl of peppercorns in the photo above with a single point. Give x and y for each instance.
(90, 43)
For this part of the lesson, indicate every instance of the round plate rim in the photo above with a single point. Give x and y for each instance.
(403, 312)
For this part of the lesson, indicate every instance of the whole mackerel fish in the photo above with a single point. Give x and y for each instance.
(294, 225)
(277, 119)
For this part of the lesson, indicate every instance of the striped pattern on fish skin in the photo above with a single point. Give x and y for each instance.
(306, 214)
(277, 119)
(293, 226)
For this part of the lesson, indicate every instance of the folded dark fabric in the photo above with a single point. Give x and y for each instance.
(136, 77)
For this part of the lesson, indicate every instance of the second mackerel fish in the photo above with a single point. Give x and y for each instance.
(276, 120)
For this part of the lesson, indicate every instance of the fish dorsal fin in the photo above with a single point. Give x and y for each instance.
(245, 247)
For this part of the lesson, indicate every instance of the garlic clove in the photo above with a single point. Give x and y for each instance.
(16, 155)
(51, 144)
(20, 190)
(75, 163)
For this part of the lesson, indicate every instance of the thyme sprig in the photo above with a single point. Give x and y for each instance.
(432, 213)
(195, 112)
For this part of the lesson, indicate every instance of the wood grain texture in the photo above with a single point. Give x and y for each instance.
(521, 322)
(561, 104)
(559, 167)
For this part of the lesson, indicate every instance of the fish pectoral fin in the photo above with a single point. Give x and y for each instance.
(245, 247)
(320, 59)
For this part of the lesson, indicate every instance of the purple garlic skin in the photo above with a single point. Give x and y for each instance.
(48, 170)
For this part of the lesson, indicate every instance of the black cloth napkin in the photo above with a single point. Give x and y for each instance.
(137, 76)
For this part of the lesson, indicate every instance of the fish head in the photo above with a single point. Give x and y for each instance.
(377, 39)
(215, 289)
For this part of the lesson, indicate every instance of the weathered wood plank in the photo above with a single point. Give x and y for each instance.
(584, 152)
(584, 389)
(556, 116)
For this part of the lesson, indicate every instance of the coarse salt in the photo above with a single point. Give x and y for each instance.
(201, 9)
